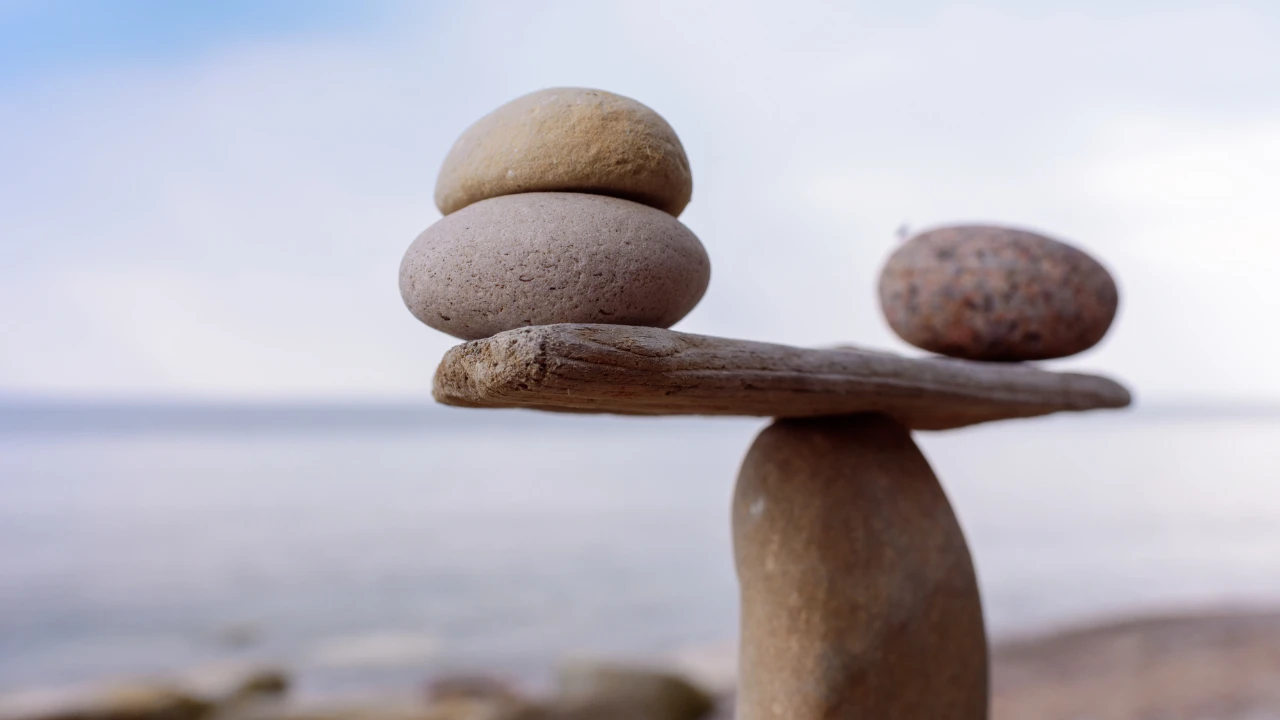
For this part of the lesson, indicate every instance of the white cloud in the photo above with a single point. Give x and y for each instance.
(233, 225)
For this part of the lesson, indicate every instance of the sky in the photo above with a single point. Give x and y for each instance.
(211, 199)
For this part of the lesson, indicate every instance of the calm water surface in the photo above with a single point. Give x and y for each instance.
(366, 549)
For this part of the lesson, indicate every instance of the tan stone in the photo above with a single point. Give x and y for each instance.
(568, 140)
(578, 710)
(649, 371)
(652, 694)
(260, 693)
(262, 683)
(480, 708)
(118, 702)
(556, 709)
(450, 708)
(471, 686)
(858, 594)
(541, 258)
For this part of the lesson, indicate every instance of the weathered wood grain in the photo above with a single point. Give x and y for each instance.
(651, 371)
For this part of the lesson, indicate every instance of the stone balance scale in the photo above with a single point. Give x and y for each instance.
(561, 260)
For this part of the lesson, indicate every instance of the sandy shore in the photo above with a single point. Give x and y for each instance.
(1217, 665)
(1210, 666)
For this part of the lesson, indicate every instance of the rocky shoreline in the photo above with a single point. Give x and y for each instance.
(1221, 665)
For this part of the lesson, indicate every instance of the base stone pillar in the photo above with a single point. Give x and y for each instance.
(859, 598)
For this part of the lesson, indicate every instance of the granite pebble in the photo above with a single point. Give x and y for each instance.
(995, 293)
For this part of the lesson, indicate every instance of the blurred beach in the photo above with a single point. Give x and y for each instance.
(366, 547)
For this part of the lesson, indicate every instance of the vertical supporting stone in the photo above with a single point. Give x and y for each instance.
(858, 593)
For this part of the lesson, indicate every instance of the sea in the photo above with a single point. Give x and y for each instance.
(365, 547)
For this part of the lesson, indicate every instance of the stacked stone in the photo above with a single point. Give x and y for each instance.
(998, 294)
(858, 594)
(560, 207)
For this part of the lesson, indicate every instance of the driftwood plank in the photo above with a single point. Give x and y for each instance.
(650, 371)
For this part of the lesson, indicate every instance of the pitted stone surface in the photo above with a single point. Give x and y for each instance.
(568, 140)
(542, 258)
(993, 293)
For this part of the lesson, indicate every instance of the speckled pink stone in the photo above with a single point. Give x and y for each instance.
(993, 293)
(544, 258)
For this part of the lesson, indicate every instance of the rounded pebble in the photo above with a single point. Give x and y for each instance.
(993, 293)
(544, 258)
(568, 140)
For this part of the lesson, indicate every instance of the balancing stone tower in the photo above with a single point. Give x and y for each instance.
(560, 258)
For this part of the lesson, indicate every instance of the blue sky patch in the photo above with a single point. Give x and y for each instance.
(40, 38)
